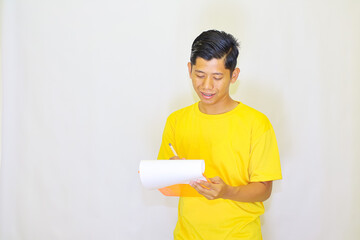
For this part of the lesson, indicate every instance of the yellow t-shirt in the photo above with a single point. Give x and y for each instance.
(240, 147)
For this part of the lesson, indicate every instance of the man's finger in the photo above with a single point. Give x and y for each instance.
(205, 184)
(176, 158)
(199, 187)
(216, 179)
(207, 193)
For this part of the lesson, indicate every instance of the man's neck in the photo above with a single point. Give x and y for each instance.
(219, 108)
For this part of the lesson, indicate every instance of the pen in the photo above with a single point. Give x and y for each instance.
(172, 149)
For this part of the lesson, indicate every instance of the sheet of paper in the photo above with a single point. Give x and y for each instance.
(155, 174)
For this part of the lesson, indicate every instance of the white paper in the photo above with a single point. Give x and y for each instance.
(156, 174)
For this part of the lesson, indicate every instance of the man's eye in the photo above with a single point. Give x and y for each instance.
(200, 76)
(217, 78)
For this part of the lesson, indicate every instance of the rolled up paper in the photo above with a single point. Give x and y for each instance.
(157, 174)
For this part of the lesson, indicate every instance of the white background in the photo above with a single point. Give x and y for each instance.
(87, 87)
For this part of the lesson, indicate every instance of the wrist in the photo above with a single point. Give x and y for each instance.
(228, 192)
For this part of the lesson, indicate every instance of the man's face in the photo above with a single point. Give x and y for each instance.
(211, 80)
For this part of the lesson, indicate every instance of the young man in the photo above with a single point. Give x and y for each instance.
(237, 143)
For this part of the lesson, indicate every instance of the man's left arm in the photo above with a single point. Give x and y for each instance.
(217, 188)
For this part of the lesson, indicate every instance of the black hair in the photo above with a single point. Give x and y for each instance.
(215, 44)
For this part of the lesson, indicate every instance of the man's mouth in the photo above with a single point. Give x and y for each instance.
(207, 95)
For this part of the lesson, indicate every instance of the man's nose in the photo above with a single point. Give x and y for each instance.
(208, 83)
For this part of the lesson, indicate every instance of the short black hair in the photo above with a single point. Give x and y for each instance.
(216, 44)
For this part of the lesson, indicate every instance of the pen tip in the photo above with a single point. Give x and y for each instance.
(170, 144)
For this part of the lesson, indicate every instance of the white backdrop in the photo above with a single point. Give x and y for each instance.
(87, 87)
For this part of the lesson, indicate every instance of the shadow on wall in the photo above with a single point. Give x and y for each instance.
(266, 99)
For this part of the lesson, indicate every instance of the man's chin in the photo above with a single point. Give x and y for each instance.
(207, 102)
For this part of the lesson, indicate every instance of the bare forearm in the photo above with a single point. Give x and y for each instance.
(253, 192)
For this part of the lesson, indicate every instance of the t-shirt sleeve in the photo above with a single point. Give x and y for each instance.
(165, 152)
(264, 157)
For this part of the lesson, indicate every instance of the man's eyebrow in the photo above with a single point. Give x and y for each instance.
(216, 73)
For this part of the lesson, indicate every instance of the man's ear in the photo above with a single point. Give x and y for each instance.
(235, 75)
(189, 68)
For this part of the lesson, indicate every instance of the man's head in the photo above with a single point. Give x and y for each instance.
(212, 69)
(215, 44)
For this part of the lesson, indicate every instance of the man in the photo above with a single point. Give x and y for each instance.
(237, 143)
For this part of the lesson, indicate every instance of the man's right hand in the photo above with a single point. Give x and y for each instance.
(176, 158)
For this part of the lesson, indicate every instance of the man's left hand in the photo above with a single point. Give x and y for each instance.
(214, 189)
